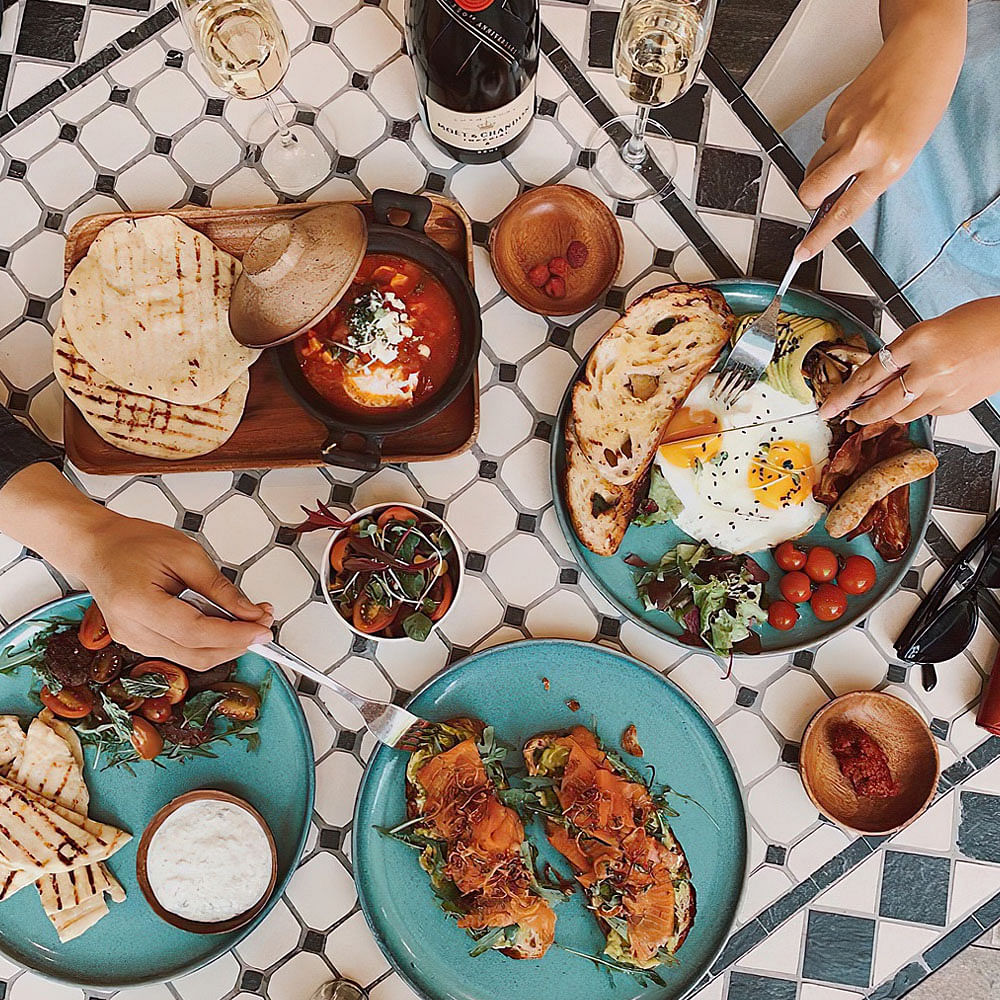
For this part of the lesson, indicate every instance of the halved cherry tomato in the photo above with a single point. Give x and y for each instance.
(70, 702)
(242, 702)
(782, 615)
(829, 602)
(145, 738)
(174, 675)
(157, 709)
(795, 587)
(105, 666)
(117, 693)
(788, 557)
(93, 631)
(396, 514)
(369, 616)
(821, 564)
(857, 576)
(337, 552)
(442, 592)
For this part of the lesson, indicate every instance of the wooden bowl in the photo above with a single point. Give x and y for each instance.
(538, 226)
(909, 748)
(199, 926)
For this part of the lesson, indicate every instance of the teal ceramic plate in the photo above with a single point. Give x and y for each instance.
(503, 686)
(131, 945)
(616, 580)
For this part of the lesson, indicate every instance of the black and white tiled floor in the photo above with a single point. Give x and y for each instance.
(113, 112)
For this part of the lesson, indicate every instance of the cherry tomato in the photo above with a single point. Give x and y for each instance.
(70, 702)
(795, 587)
(821, 564)
(829, 602)
(788, 557)
(174, 675)
(857, 576)
(396, 514)
(242, 702)
(337, 552)
(443, 591)
(93, 631)
(782, 615)
(105, 666)
(117, 693)
(369, 616)
(157, 709)
(145, 738)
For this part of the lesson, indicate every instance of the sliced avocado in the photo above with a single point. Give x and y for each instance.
(797, 335)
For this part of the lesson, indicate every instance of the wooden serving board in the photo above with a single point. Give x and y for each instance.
(275, 431)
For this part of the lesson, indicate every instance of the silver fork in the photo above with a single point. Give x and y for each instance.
(390, 724)
(752, 353)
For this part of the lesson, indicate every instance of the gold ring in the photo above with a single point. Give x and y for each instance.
(908, 397)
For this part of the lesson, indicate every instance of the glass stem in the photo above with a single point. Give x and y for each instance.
(285, 135)
(634, 151)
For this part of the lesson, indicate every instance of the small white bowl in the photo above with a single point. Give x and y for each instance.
(325, 569)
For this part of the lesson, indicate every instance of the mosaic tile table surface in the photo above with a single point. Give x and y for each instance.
(103, 109)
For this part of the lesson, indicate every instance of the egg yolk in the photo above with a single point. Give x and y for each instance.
(691, 436)
(781, 474)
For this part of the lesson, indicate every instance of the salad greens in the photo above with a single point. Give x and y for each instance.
(661, 504)
(714, 596)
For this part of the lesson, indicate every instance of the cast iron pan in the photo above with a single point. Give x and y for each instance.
(354, 441)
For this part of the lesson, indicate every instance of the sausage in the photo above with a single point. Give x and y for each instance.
(874, 484)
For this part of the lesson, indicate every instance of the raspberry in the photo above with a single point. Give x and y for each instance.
(558, 266)
(577, 253)
(555, 287)
(538, 275)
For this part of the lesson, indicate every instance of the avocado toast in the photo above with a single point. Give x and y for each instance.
(471, 844)
(613, 829)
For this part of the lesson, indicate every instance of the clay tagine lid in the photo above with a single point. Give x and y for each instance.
(294, 272)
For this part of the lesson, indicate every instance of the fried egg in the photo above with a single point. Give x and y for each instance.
(749, 489)
(380, 385)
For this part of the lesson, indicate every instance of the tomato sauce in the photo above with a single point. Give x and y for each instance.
(389, 344)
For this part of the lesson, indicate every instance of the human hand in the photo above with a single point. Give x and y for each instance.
(952, 363)
(880, 122)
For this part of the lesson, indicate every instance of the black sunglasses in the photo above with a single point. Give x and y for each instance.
(940, 631)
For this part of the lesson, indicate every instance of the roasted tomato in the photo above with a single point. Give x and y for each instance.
(174, 675)
(145, 738)
(106, 666)
(369, 616)
(782, 615)
(829, 602)
(93, 631)
(821, 564)
(442, 593)
(337, 552)
(795, 587)
(396, 514)
(70, 702)
(242, 702)
(788, 557)
(157, 709)
(857, 576)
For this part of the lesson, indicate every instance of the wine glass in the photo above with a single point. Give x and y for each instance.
(243, 48)
(658, 49)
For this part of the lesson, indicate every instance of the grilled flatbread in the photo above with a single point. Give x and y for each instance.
(70, 889)
(48, 767)
(73, 922)
(39, 837)
(145, 425)
(11, 741)
(640, 372)
(148, 307)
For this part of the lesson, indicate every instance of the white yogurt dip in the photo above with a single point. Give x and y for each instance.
(209, 861)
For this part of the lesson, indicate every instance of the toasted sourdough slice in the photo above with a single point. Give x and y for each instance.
(600, 511)
(612, 828)
(472, 845)
(640, 372)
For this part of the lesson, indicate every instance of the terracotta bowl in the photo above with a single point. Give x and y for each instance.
(198, 926)
(538, 226)
(909, 747)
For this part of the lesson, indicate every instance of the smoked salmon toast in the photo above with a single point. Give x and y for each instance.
(472, 845)
(613, 829)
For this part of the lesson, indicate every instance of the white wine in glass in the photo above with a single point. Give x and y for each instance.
(658, 50)
(243, 48)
